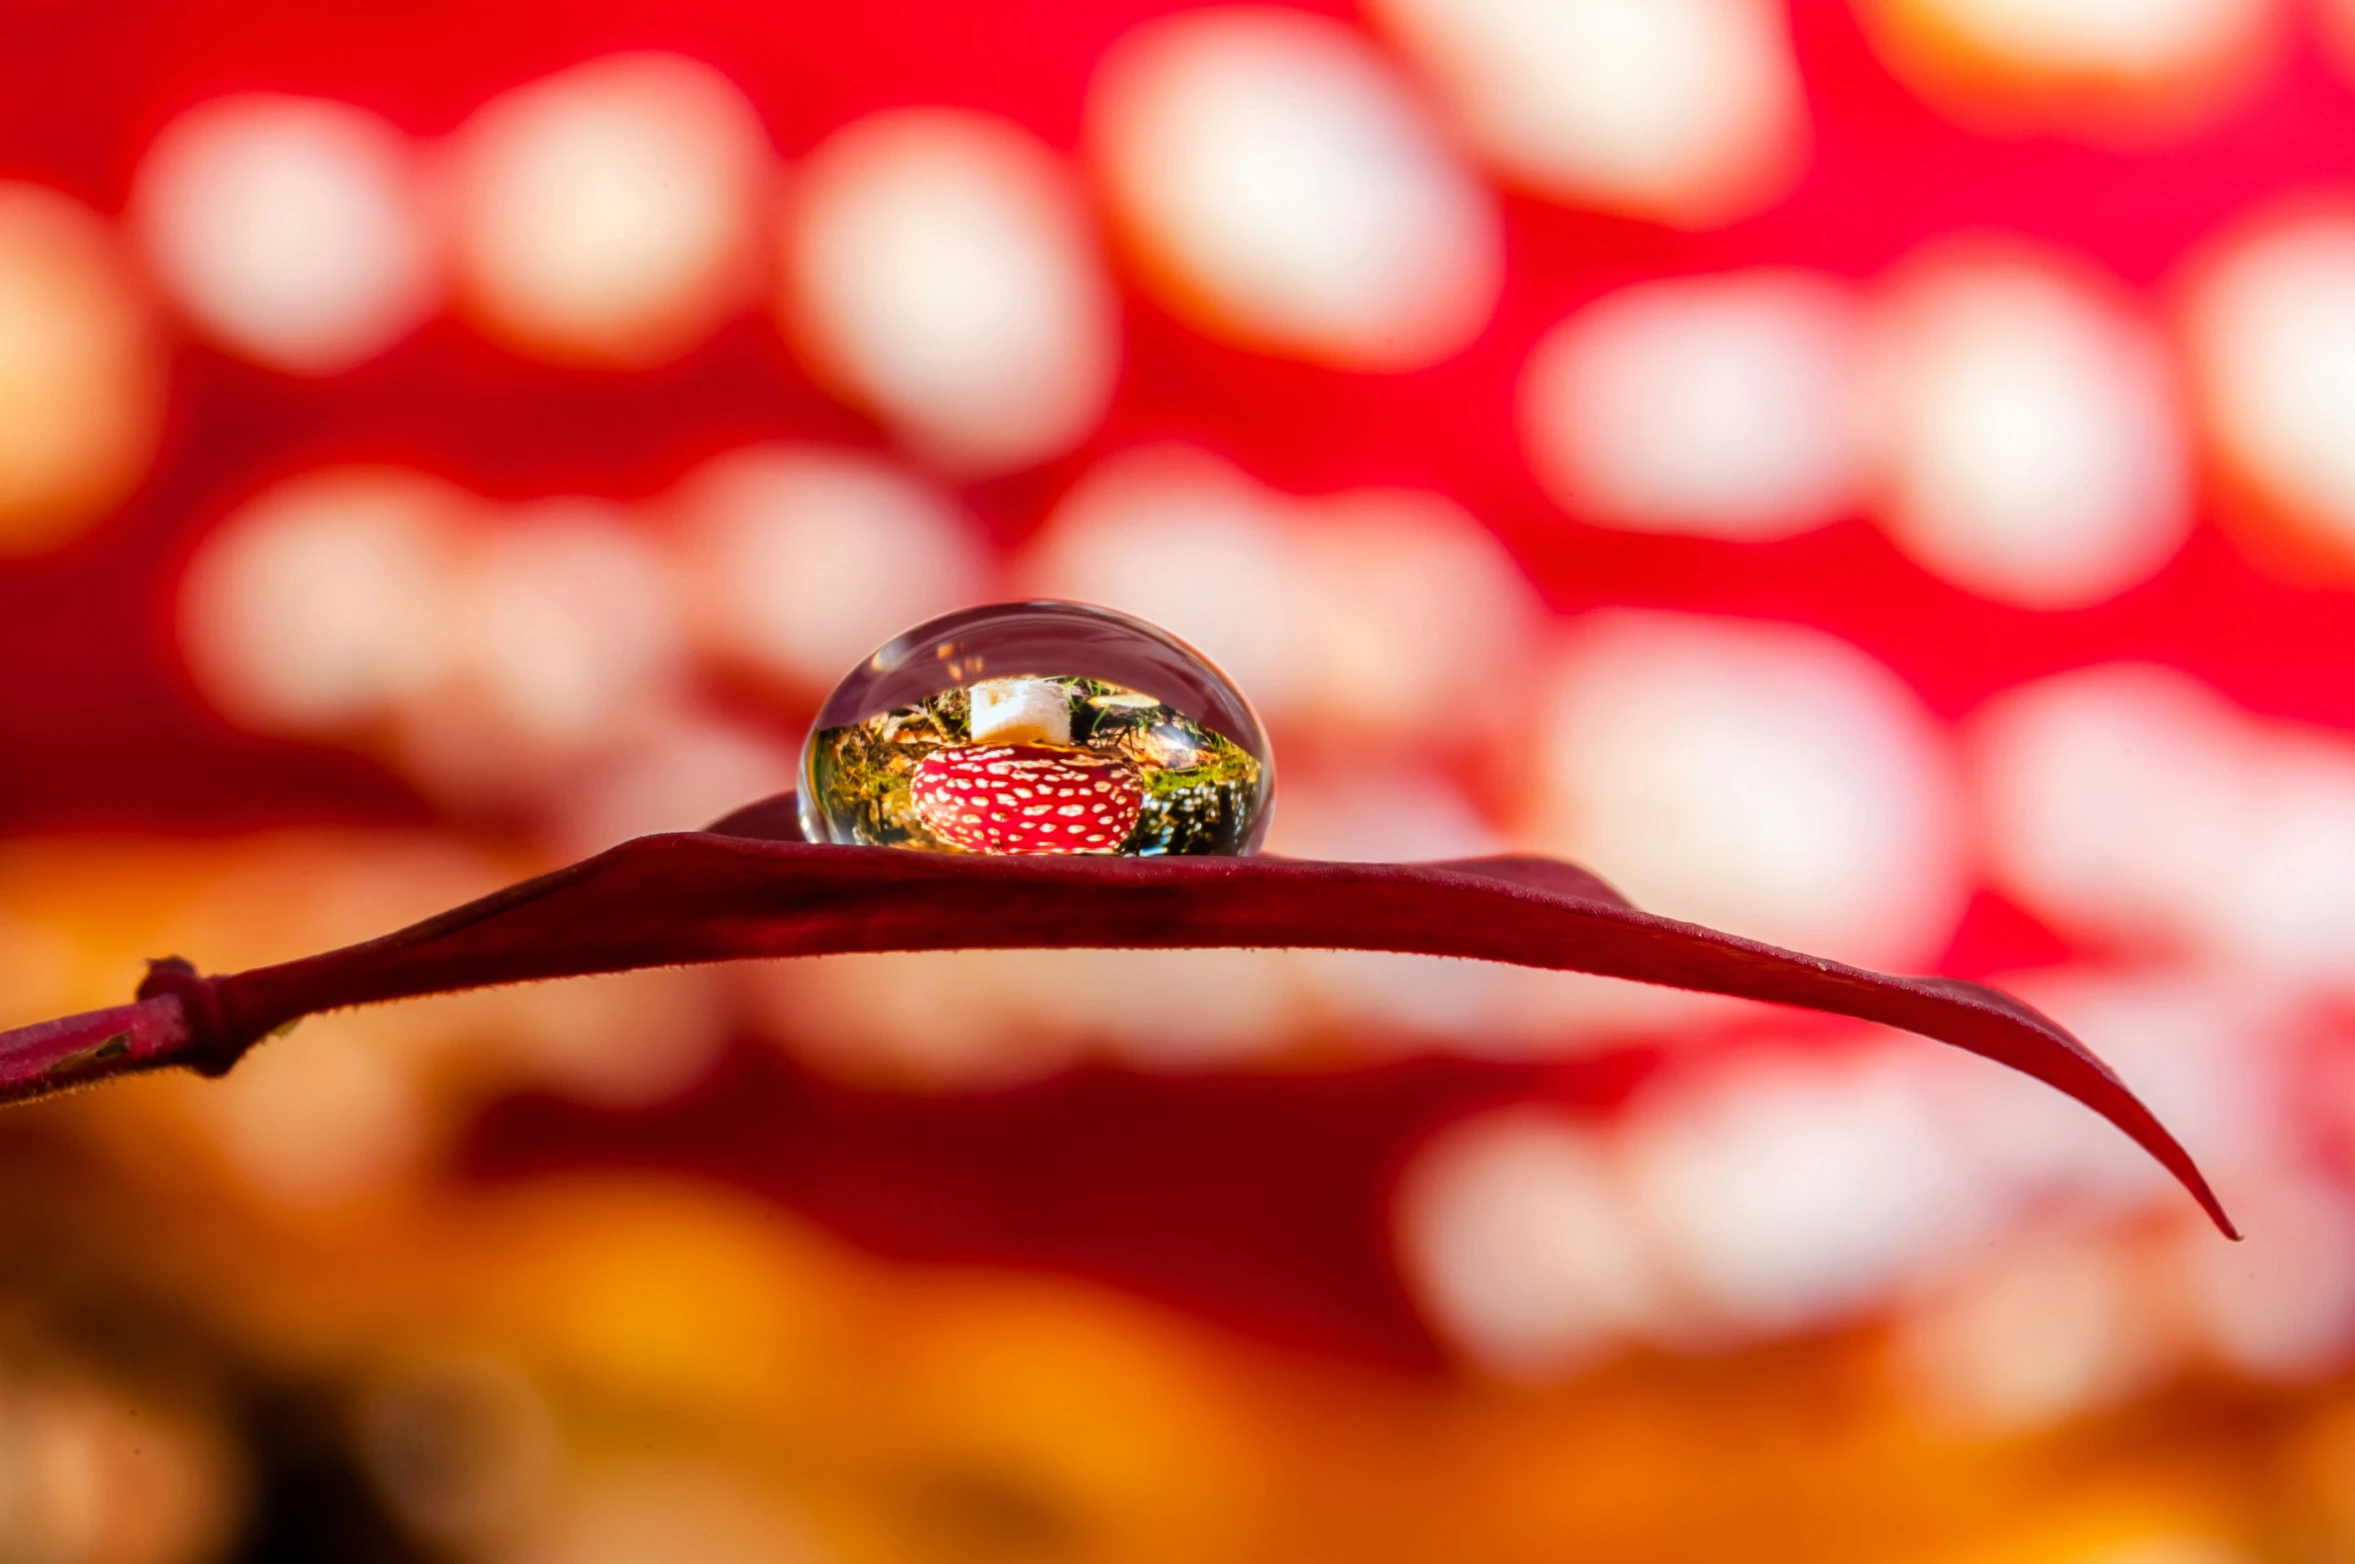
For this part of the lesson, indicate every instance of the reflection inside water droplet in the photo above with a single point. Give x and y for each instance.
(1026, 728)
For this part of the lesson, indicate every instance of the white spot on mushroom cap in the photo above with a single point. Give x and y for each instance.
(2131, 802)
(1726, 406)
(2051, 1326)
(678, 771)
(1370, 812)
(569, 618)
(2281, 1308)
(568, 637)
(1787, 1194)
(81, 371)
(1762, 778)
(1685, 111)
(2212, 1052)
(976, 1018)
(1735, 1199)
(2271, 331)
(2028, 436)
(295, 231)
(1514, 1232)
(609, 213)
(2128, 71)
(1179, 538)
(326, 600)
(2146, 38)
(941, 269)
(2112, 800)
(800, 560)
(1286, 191)
(1374, 613)
(319, 1127)
(1417, 622)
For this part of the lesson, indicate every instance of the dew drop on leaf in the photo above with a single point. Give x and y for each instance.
(1038, 727)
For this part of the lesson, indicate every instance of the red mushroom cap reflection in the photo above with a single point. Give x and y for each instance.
(1027, 799)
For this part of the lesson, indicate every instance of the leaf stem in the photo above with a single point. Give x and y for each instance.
(51, 1056)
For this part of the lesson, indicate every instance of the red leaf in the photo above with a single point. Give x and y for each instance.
(717, 896)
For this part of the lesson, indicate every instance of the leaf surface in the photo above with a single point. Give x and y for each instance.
(743, 890)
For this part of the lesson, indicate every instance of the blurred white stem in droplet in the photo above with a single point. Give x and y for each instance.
(1018, 711)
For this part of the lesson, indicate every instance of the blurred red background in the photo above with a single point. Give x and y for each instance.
(1880, 477)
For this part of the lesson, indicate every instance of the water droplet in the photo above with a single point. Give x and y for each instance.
(1038, 728)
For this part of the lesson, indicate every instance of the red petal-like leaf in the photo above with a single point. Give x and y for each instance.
(743, 889)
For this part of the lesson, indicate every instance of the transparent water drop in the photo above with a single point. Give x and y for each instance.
(1038, 727)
